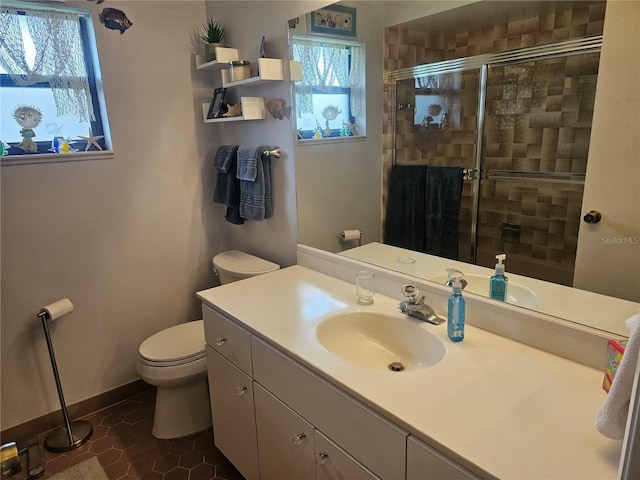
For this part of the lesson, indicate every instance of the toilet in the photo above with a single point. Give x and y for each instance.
(174, 361)
(234, 265)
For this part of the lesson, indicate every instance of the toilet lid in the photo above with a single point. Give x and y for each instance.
(241, 262)
(180, 343)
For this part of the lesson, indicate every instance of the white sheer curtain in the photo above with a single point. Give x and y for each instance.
(326, 65)
(58, 60)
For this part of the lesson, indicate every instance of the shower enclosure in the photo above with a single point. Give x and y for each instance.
(519, 123)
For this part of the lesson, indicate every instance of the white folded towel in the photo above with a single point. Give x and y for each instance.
(611, 419)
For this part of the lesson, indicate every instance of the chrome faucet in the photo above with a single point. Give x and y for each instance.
(452, 272)
(414, 306)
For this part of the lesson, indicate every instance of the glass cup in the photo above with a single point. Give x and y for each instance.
(365, 287)
(406, 265)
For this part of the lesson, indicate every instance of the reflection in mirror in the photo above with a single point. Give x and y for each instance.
(520, 130)
(328, 96)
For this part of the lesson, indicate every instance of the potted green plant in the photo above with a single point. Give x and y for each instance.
(212, 34)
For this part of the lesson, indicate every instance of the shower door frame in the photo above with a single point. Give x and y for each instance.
(482, 63)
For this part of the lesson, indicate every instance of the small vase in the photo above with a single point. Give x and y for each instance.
(210, 51)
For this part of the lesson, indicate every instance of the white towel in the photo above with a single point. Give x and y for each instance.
(612, 416)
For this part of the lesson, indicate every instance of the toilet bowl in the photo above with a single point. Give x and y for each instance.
(234, 265)
(174, 361)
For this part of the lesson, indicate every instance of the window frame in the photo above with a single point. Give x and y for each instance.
(99, 126)
(305, 137)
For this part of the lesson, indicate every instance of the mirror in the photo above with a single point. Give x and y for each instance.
(341, 187)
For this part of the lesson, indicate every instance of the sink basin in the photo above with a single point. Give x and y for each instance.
(479, 284)
(380, 341)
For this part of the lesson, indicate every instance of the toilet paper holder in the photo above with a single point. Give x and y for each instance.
(350, 235)
(72, 434)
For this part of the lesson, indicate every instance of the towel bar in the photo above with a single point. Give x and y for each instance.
(273, 153)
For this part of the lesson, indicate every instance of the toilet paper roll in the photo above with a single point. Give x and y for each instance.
(350, 235)
(58, 309)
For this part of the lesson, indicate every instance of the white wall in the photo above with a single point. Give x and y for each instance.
(400, 11)
(613, 169)
(128, 240)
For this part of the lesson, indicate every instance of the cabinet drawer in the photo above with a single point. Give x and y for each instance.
(368, 437)
(227, 338)
(426, 463)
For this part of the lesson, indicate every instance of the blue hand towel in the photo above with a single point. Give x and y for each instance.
(255, 196)
(248, 159)
(227, 191)
(225, 156)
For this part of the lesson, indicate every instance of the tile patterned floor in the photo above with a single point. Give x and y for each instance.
(125, 448)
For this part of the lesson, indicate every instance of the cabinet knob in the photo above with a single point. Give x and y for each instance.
(297, 439)
(220, 340)
(321, 457)
(241, 390)
(593, 216)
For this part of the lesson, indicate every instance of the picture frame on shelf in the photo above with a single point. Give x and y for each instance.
(217, 106)
(333, 20)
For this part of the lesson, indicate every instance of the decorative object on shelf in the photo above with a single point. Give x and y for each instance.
(91, 140)
(334, 20)
(28, 117)
(351, 127)
(330, 112)
(261, 54)
(233, 111)
(217, 107)
(293, 22)
(277, 107)
(115, 19)
(4, 148)
(239, 70)
(212, 34)
(59, 144)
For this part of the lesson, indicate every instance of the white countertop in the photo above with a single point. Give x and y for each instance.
(512, 410)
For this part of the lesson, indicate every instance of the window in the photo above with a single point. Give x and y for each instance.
(329, 96)
(50, 96)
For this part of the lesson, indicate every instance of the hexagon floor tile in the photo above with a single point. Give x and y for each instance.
(125, 448)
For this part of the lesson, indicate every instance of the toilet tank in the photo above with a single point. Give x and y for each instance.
(235, 265)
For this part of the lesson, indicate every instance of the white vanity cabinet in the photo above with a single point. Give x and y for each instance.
(234, 423)
(425, 463)
(290, 447)
(274, 418)
(231, 392)
(371, 439)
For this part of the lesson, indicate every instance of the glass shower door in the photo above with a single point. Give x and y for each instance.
(537, 127)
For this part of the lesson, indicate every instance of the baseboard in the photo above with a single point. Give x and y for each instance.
(21, 433)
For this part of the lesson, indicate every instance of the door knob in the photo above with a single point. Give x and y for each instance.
(593, 216)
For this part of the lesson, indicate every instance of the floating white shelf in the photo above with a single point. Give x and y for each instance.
(223, 57)
(252, 109)
(269, 70)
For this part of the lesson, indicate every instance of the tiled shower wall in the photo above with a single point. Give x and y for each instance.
(556, 93)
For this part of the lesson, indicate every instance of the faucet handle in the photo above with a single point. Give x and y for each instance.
(411, 292)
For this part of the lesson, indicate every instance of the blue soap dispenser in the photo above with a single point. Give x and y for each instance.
(455, 311)
(499, 283)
